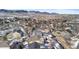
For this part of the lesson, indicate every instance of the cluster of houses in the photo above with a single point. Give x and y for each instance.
(33, 33)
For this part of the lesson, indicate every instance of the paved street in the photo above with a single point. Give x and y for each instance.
(3, 44)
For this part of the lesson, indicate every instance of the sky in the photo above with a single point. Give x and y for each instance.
(58, 6)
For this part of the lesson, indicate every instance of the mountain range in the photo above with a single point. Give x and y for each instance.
(24, 11)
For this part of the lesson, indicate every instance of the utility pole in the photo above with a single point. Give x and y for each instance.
(76, 26)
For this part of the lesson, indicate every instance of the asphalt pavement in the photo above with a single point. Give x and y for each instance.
(3, 44)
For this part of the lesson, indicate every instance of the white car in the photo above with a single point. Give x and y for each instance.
(2, 33)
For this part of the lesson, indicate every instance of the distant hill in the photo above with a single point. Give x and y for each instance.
(42, 12)
(24, 11)
(11, 11)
